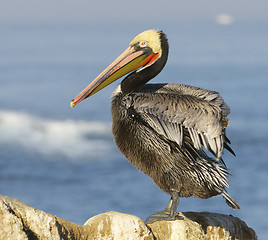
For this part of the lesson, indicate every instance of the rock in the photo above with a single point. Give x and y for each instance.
(20, 221)
(114, 225)
(203, 225)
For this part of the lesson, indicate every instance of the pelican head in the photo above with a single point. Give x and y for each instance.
(143, 51)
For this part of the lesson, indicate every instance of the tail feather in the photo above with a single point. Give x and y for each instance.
(231, 202)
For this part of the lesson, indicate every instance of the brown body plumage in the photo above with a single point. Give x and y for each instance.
(139, 123)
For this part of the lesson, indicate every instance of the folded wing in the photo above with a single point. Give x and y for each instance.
(174, 114)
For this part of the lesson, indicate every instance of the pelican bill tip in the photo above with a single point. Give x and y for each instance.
(72, 104)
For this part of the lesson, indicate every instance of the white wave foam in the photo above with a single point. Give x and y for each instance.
(71, 138)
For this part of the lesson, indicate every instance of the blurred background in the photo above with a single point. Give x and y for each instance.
(63, 161)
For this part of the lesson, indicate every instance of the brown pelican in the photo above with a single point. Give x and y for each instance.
(168, 131)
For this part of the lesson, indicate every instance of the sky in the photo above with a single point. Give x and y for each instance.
(121, 10)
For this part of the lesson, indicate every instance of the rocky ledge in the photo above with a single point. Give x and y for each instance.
(20, 221)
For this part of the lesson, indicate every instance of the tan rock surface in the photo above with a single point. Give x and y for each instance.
(203, 225)
(20, 221)
(114, 225)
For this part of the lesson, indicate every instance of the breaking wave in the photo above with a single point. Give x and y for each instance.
(75, 139)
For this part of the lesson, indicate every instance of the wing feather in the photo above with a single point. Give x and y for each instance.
(171, 114)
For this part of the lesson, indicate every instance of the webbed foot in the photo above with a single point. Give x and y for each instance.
(163, 216)
(169, 214)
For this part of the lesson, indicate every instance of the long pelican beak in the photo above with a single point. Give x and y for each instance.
(130, 60)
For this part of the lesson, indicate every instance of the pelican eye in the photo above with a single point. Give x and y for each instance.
(143, 44)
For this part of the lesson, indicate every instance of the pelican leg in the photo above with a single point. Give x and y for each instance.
(169, 214)
(173, 204)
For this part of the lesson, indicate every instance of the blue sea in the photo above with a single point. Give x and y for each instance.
(63, 161)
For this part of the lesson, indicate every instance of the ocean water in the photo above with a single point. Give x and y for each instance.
(63, 161)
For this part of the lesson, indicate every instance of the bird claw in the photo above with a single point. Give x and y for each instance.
(163, 216)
